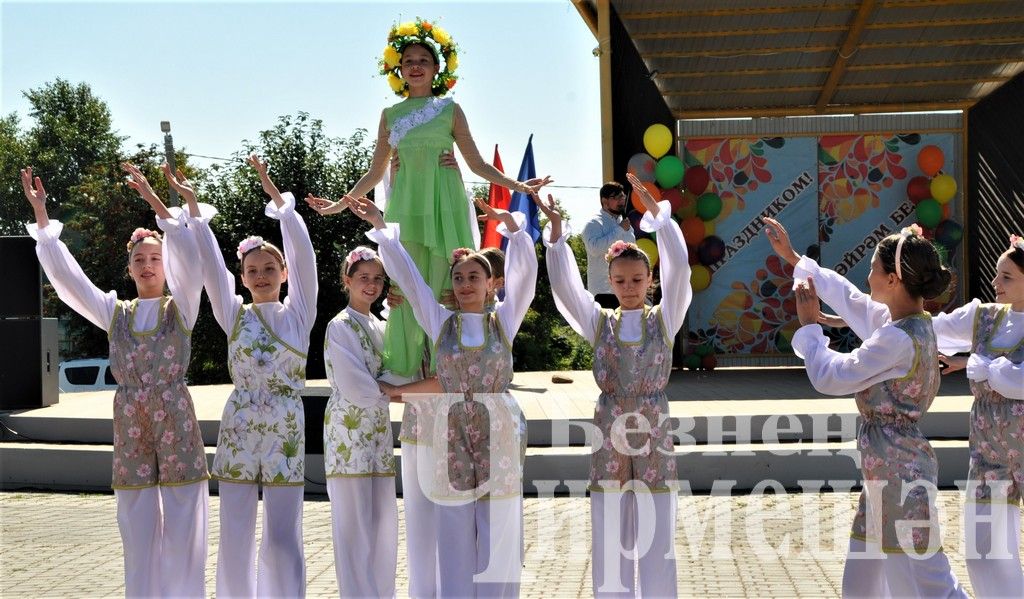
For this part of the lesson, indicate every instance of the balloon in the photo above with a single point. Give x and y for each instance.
(655, 193)
(641, 165)
(658, 140)
(930, 160)
(696, 179)
(669, 171)
(674, 197)
(705, 349)
(929, 213)
(693, 230)
(709, 362)
(709, 206)
(650, 248)
(949, 233)
(691, 361)
(919, 189)
(943, 188)
(709, 228)
(700, 277)
(688, 207)
(711, 250)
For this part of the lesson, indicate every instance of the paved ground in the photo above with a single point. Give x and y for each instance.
(67, 545)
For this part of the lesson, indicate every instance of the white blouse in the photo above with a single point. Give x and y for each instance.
(348, 365)
(76, 290)
(577, 304)
(291, 320)
(520, 284)
(886, 353)
(955, 332)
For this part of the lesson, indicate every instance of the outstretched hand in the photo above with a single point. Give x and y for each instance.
(952, 363)
(35, 193)
(537, 183)
(779, 238)
(365, 209)
(325, 207)
(179, 183)
(644, 194)
(268, 186)
(140, 184)
(498, 214)
(808, 308)
(553, 215)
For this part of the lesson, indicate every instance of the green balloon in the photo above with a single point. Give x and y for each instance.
(929, 213)
(668, 172)
(705, 350)
(709, 206)
(691, 361)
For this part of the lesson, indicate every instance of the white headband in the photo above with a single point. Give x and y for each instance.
(910, 231)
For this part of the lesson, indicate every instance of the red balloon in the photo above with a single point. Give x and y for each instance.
(709, 362)
(919, 188)
(930, 159)
(693, 230)
(674, 197)
(696, 179)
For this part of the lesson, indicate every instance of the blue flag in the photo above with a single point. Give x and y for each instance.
(522, 202)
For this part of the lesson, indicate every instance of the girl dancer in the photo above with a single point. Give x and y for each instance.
(479, 477)
(994, 334)
(631, 476)
(358, 448)
(262, 431)
(894, 376)
(159, 474)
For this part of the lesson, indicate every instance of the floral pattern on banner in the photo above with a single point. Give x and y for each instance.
(852, 170)
(759, 316)
(997, 423)
(736, 166)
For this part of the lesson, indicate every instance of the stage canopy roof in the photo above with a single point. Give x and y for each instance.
(742, 58)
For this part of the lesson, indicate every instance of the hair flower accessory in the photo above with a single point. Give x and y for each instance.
(139, 234)
(913, 229)
(420, 32)
(616, 250)
(1017, 242)
(249, 244)
(460, 253)
(359, 254)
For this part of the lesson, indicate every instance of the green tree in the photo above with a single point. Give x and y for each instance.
(13, 157)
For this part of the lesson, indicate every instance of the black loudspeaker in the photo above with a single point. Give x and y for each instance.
(28, 363)
(19, 270)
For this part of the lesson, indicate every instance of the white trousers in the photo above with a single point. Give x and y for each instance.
(481, 556)
(898, 575)
(282, 566)
(993, 560)
(633, 546)
(364, 527)
(163, 531)
(420, 522)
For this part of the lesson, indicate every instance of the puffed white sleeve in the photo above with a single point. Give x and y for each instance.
(300, 259)
(520, 277)
(954, 331)
(181, 254)
(72, 285)
(886, 354)
(674, 266)
(400, 267)
(861, 313)
(1006, 378)
(218, 280)
(348, 367)
(572, 299)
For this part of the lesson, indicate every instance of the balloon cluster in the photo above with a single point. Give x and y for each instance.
(931, 194)
(701, 357)
(694, 205)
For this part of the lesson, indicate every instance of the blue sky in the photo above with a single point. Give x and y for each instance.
(222, 71)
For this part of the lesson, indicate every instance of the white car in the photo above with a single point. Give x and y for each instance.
(86, 375)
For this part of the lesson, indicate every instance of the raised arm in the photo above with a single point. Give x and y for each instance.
(65, 274)
(520, 269)
(379, 165)
(572, 299)
(954, 331)
(479, 166)
(218, 280)
(400, 267)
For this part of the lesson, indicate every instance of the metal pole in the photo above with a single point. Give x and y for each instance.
(165, 126)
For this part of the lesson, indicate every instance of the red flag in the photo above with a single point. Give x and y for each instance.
(497, 197)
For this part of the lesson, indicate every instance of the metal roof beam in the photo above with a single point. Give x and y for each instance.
(725, 113)
(845, 52)
(797, 89)
(891, 66)
(636, 15)
(767, 51)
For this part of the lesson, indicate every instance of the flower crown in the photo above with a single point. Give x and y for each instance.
(139, 234)
(249, 244)
(616, 250)
(1017, 242)
(430, 35)
(359, 254)
(460, 253)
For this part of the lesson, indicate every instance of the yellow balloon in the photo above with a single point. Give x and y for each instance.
(649, 247)
(943, 188)
(700, 277)
(658, 140)
(709, 228)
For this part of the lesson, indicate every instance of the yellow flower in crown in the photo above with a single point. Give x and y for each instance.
(392, 58)
(453, 61)
(406, 29)
(441, 36)
(396, 83)
(430, 35)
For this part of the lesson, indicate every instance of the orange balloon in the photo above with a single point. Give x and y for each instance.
(930, 160)
(693, 230)
(655, 193)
